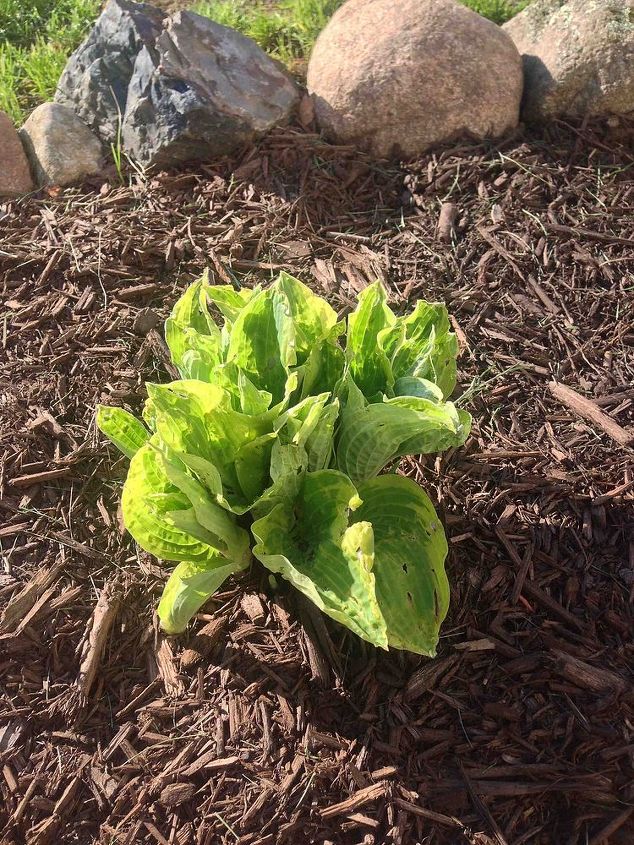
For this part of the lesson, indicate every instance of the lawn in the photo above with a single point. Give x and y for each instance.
(37, 36)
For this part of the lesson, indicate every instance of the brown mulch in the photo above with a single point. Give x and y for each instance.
(267, 724)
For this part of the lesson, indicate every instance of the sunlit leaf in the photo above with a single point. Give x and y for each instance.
(122, 428)
(369, 364)
(409, 553)
(311, 544)
(188, 588)
(372, 436)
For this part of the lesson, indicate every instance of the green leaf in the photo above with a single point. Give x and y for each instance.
(253, 464)
(441, 366)
(230, 540)
(252, 400)
(325, 365)
(122, 428)
(320, 443)
(228, 300)
(262, 342)
(276, 330)
(199, 356)
(190, 317)
(309, 426)
(181, 526)
(194, 418)
(153, 509)
(371, 437)
(420, 387)
(310, 543)
(421, 345)
(409, 554)
(369, 364)
(188, 588)
(287, 459)
(312, 317)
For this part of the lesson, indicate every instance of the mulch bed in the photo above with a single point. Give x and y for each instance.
(268, 724)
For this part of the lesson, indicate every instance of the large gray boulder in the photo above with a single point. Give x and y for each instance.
(203, 90)
(96, 78)
(578, 57)
(397, 78)
(175, 89)
(60, 147)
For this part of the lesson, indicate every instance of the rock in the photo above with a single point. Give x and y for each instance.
(397, 78)
(578, 57)
(203, 91)
(15, 174)
(173, 90)
(96, 78)
(60, 147)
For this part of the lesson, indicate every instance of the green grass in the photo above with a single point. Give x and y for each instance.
(287, 30)
(499, 11)
(37, 36)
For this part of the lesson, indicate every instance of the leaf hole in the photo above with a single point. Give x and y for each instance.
(409, 598)
(405, 568)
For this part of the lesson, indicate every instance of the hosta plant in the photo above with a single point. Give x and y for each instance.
(272, 444)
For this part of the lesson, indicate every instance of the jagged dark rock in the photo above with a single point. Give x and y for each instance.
(203, 90)
(174, 90)
(96, 78)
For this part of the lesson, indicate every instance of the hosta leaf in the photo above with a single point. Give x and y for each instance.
(253, 464)
(188, 588)
(309, 426)
(244, 395)
(195, 418)
(287, 459)
(409, 554)
(371, 437)
(312, 317)
(252, 400)
(200, 356)
(228, 300)
(230, 540)
(369, 364)
(324, 366)
(448, 426)
(310, 543)
(122, 428)
(262, 341)
(298, 422)
(420, 387)
(420, 344)
(190, 317)
(320, 443)
(441, 366)
(151, 506)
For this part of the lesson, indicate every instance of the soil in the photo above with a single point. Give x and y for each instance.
(267, 723)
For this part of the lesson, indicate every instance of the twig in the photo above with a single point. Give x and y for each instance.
(588, 409)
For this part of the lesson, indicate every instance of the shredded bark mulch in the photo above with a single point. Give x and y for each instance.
(268, 724)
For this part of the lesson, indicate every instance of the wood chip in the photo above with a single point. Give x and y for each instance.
(101, 622)
(203, 643)
(356, 800)
(588, 409)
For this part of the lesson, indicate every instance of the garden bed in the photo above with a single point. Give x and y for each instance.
(278, 725)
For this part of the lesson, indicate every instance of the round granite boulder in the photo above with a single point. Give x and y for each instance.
(398, 77)
(578, 57)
